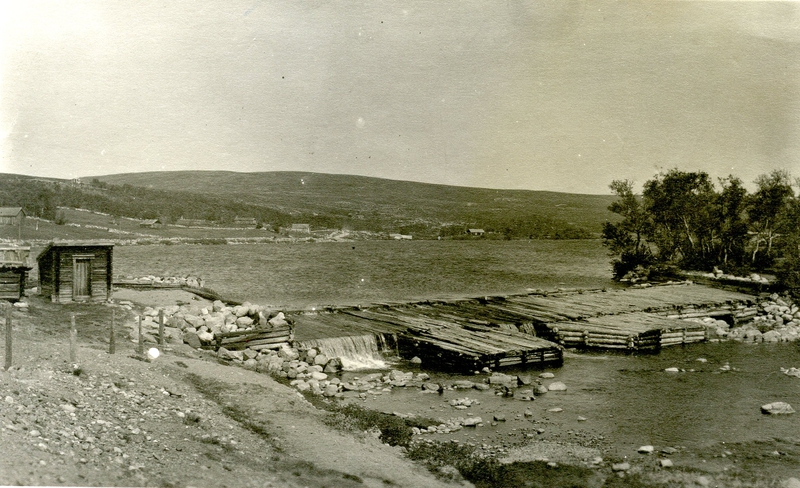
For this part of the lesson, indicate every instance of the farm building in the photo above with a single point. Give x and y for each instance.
(476, 232)
(13, 269)
(194, 222)
(150, 223)
(301, 228)
(11, 215)
(76, 271)
(245, 221)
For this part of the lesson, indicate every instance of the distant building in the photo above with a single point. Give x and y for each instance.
(245, 221)
(301, 228)
(476, 232)
(13, 268)
(194, 222)
(151, 223)
(12, 215)
(76, 271)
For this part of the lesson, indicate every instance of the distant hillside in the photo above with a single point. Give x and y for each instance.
(276, 200)
(377, 204)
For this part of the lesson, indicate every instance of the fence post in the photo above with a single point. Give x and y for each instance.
(161, 327)
(8, 337)
(73, 339)
(140, 345)
(112, 344)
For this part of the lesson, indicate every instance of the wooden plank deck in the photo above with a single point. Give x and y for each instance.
(530, 329)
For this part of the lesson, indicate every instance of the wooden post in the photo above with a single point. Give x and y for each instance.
(161, 327)
(73, 339)
(140, 345)
(8, 337)
(112, 341)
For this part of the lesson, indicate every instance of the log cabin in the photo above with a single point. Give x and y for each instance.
(76, 271)
(13, 271)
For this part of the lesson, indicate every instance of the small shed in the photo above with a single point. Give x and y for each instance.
(150, 223)
(301, 228)
(76, 271)
(11, 215)
(476, 232)
(13, 270)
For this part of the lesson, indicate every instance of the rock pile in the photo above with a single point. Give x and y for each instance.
(193, 281)
(777, 320)
(198, 326)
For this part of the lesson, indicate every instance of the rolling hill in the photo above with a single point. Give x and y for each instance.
(382, 204)
(324, 201)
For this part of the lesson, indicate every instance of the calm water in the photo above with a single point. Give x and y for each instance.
(631, 401)
(309, 274)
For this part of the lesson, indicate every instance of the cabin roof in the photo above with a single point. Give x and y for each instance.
(11, 211)
(68, 244)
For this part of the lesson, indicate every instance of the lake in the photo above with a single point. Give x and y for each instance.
(308, 274)
(627, 400)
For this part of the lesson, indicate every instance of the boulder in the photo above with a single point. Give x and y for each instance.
(241, 310)
(771, 336)
(621, 466)
(547, 375)
(321, 359)
(278, 320)
(333, 366)
(557, 386)
(287, 352)
(472, 421)
(777, 408)
(244, 322)
(330, 390)
(646, 450)
(319, 376)
(206, 337)
(191, 339)
(223, 353)
(194, 320)
(415, 360)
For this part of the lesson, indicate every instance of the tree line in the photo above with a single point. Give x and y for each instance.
(682, 220)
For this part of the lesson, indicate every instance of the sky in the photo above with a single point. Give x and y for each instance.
(536, 95)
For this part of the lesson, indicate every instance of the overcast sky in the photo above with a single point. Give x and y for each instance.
(562, 96)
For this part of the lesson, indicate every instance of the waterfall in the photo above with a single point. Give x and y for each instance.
(355, 352)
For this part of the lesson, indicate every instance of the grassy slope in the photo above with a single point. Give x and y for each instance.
(360, 195)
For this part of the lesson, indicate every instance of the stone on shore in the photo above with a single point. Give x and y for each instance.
(777, 408)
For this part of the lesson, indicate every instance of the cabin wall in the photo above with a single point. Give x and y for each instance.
(12, 284)
(46, 281)
(99, 273)
(57, 272)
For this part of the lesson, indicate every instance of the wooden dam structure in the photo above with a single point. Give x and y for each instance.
(532, 329)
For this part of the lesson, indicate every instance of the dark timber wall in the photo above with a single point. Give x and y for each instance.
(76, 271)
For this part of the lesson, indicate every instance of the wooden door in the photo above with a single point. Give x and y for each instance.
(82, 286)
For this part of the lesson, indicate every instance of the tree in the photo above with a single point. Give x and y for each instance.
(768, 212)
(626, 238)
(683, 223)
(731, 206)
